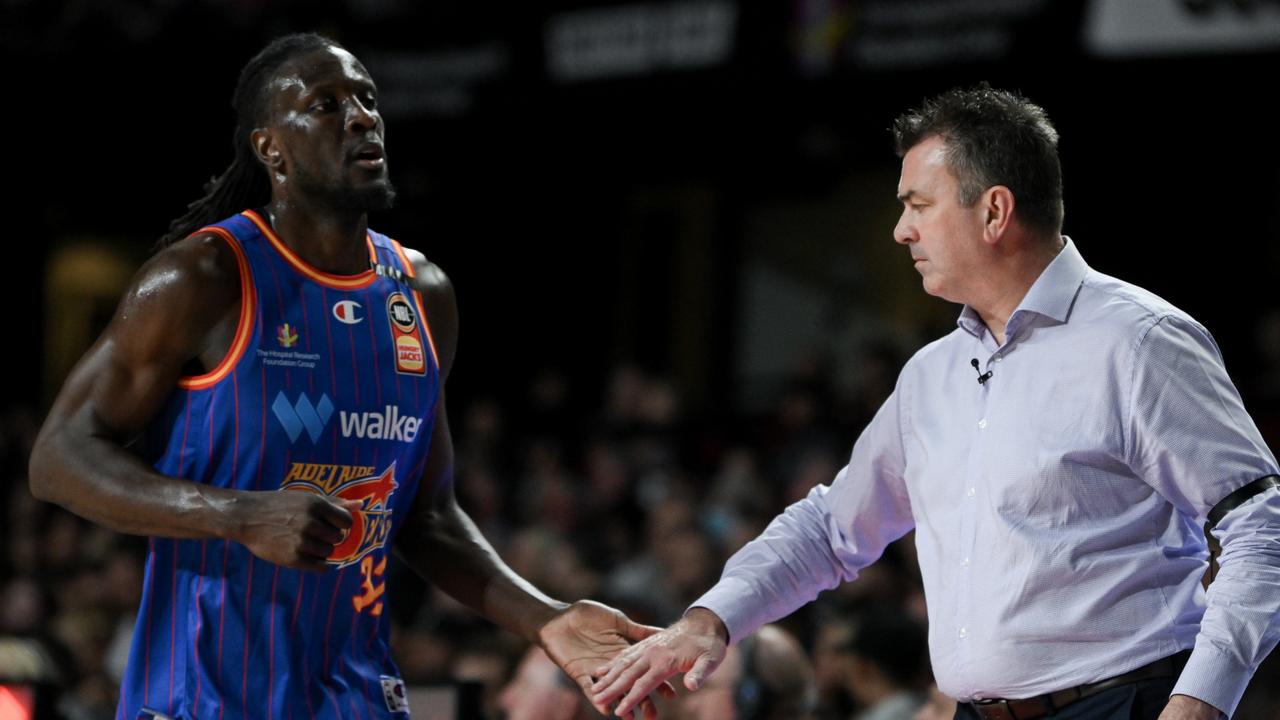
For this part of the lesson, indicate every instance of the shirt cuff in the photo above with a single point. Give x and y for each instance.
(1213, 677)
(732, 600)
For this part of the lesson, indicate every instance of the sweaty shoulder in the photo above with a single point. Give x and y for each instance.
(184, 303)
(440, 304)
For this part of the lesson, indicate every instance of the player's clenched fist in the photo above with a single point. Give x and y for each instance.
(292, 528)
(695, 645)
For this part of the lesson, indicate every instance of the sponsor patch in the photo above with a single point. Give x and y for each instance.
(410, 357)
(347, 311)
(386, 425)
(393, 693)
(400, 310)
(287, 335)
(302, 415)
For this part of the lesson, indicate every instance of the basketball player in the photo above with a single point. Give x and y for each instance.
(267, 403)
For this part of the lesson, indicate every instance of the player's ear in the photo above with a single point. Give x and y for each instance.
(267, 149)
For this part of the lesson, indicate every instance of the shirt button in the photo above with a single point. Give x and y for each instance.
(982, 424)
(963, 633)
(971, 492)
(999, 358)
(964, 562)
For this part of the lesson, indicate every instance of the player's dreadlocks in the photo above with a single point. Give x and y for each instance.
(244, 184)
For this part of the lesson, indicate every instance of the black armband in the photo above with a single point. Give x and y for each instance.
(1237, 498)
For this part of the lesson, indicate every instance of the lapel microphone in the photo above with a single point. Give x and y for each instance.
(983, 377)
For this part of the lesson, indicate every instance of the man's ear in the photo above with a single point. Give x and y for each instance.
(998, 206)
(266, 148)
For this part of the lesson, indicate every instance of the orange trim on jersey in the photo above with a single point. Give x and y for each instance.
(337, 282)
(248, 310)
(417, 298)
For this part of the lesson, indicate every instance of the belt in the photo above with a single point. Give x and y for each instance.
(1031, 708)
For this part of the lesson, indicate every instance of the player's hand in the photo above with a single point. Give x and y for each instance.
(695, 645)
(585, 636)
(292, 528)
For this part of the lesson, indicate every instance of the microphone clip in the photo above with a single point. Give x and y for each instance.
(983, 377)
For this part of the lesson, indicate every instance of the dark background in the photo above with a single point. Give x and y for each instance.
(118, 112)
(679, 294)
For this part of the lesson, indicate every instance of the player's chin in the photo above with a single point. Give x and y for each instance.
(375, 196)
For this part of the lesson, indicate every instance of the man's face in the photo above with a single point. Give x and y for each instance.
(944, 237)
(327, 130)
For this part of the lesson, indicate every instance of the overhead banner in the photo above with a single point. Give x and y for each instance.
(1126, 28)
(635, 40)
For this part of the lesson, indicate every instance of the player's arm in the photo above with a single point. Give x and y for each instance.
(440, 541)
(170, 320)
(442, 544)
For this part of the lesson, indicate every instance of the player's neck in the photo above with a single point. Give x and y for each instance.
(328, 240)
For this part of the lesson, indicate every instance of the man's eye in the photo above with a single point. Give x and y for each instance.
(370, 101)
(322, 104)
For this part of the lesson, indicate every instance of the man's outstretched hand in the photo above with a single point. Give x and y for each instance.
(695, 645)
(587, 635)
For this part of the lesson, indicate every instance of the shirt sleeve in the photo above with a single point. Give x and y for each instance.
(1187, 433)
(1239, 627)
(1190, 438)
(823, 539)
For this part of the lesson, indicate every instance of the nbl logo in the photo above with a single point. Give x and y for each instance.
(410, 357)
(401, 314)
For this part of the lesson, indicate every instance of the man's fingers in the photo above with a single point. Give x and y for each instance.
(323, 532)
(621, 681)
(587, 685)
(335, 511)
(640, 690)
(698, 673)
(608, 674)
(309, 549)
(601, 707)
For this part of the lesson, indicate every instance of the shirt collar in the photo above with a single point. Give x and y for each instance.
(1051, 295)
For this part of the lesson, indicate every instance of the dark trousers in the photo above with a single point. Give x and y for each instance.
(1142, 700)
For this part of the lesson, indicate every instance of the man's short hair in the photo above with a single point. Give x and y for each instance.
(993, 137)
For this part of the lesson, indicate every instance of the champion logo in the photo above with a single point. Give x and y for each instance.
(303, 415)
(345, 311)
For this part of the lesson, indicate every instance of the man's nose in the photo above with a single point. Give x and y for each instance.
(360, 118)
(903, 233)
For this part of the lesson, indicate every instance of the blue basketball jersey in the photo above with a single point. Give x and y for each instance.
(329, 387)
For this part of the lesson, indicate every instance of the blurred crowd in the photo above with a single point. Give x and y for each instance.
(617, 493)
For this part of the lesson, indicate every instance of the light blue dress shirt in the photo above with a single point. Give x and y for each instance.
(1058, 507)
